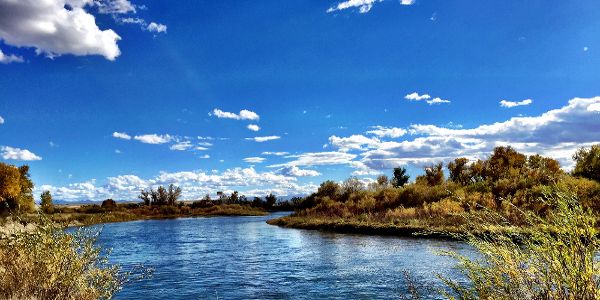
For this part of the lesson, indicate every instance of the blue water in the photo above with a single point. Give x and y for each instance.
(245, 258)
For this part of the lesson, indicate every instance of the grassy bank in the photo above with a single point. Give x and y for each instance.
(507, 183)
(95, 214)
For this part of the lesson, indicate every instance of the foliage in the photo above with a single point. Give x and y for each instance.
(46, 202)
(587, 163)
(49, 263)
(16, 188)
(554, 260)
(161, 196)
(434, 175)
(400, 177)
(108, 204)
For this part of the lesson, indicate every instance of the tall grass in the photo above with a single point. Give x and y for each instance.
(552, 260)
(49, 263)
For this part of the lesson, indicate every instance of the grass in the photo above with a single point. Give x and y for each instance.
(89, 215)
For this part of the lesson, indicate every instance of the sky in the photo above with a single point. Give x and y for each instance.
(102, 98)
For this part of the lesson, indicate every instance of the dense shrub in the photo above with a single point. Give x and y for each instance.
(48, 263)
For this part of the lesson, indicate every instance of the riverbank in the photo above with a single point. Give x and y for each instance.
(409, 228)
(84, 216)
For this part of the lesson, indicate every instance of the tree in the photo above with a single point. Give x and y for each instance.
(271, 200)
(434, 175)
(109, 204)
(10, 187)
(145, 196)
(383, 181)
(173, 194)
(46, 202)
(400, 177)
(16, 188)
(329, 189)
(587, 163)
(459, 171)
(352, 185)
(505, 162)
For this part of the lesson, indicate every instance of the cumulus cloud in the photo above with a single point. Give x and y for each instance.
(254, 160)
(557, 133)
(17, 154)
(392, 132)
(261, 139)
(153, 138)
(121, 135)
(243, 115)
(1, 120)
(114, 6)
(363, 6)
(509, 104)
(253, 127)
(297, 172)
(156, 27)
(416, 97)
(353, 142)
(195, 184)
(56, 27)
(9, 58)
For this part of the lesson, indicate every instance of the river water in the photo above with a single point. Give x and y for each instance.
(245, 258)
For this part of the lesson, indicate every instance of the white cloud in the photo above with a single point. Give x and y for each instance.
(157, 27)
(200, 148)
(297, 172)
(407, 2)
(594, 107)
(416, 97)
(261, 139)
(437, 100)
(392, 132)
(114, 6)
(557, 133)
(353, 142)
(509, 104)
(9, 58)
(275, 153)
(253, 127)
(363, 6)
(121, 135)
(1, 120)
(318, 159)
(153, 138)
(205, 156)
(117, 151)
(585, 49)
(181, 146)
(243, 115)
(254, 160)
(17, 154)
(52, 29)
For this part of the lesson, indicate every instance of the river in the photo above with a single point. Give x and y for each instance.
(245, 258)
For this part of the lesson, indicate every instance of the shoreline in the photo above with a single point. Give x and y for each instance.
(373, 229)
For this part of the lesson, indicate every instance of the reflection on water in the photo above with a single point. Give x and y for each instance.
(245, 258)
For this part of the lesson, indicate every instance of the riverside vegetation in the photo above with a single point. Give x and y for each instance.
(507, 182)
(487, 203)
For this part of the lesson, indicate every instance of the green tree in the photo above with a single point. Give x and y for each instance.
(46, 202)
(400, 177)
(587, 163)
(173, 194)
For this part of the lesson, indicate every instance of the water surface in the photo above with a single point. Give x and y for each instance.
(245, 258)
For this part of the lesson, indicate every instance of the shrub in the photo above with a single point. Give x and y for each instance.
(49, 263)
(109, 204)
(553, 260)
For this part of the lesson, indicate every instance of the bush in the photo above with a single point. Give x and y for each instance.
(109, 204)
(553, 260)
(49, 263)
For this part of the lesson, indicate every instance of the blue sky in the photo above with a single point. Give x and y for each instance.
(103, 98)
